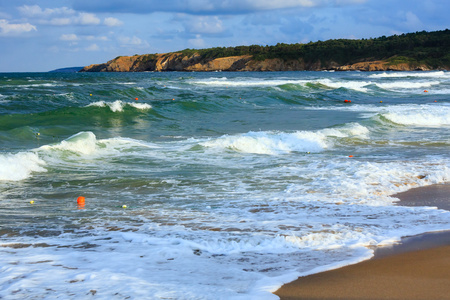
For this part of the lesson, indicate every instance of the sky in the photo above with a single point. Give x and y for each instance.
(42, 35)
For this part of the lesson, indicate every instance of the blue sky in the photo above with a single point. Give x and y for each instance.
(41, 35)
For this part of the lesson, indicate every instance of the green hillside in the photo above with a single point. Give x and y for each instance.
(430, 48)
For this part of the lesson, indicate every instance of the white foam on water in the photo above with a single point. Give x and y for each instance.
(20, 166)
(247, 82)
(218, 221)
(81, 143)
(401, 85)
(141, 106)
(118, 105)
(419, 115)
(360, 86)
(418, 81)
(437, 74)
(87, 145)
(282, 142)
(243, 248)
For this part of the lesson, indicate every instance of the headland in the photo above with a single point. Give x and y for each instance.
(422, 51)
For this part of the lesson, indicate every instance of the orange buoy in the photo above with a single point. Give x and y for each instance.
(81, 201)
(136, 99)
(425, 91)
(350, 156)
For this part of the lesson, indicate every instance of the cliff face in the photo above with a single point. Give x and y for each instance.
(382, 66)
(195, 62)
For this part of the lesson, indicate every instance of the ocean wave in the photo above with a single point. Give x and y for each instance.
(438, 74)
(281, 142)
(85, 143)
(247, 82)
(19, 166)
(400, 85)
(118, 105)
(360, 86)
(423, 115)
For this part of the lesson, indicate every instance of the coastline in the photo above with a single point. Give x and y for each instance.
(416, 268)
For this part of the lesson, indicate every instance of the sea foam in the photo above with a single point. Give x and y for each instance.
(86, 144)
(284, 142)
(118, 106)
(423, 115)
(438, 74)
(19, 166)
(399, 85)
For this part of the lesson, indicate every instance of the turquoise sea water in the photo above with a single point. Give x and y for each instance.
(234, 183)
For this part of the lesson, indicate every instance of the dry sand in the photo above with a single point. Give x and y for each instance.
(418, 268)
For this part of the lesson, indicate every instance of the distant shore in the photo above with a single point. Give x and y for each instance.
(417, 268)
(424, 51)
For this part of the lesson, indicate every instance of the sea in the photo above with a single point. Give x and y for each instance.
(215, 185)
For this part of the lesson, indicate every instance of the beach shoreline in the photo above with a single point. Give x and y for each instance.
(416, 268)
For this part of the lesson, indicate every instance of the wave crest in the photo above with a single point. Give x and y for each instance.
(19, 166)
(118, 105)
(425, 115)
(281, 142)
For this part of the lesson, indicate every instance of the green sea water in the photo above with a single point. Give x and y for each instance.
(244, 181)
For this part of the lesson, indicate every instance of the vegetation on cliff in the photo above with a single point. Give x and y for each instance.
(420, 50)
(431, 48)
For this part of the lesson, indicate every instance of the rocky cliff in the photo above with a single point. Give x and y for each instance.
(197, 63)
(412, 51)
(383, 66)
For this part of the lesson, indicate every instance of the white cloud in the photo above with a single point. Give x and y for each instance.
(198, 42)
(69, 37)
(124, 40)
(61, 16)
(7, 29)
(59, 21)
(411, 21)
(4, 15)
(35, 11)
(209, 7)
(112, 22)
(87, 19)
(93, 47)
(98, 38)
(270, 4)
(204, 25)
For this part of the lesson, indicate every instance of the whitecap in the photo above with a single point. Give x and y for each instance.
(282, 142)
(118, 106)
(437, 74)
(19, 166)
(423, 115)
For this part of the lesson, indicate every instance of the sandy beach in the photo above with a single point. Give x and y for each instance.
(417, 268)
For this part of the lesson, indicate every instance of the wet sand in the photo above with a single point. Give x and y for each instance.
(417, 268)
